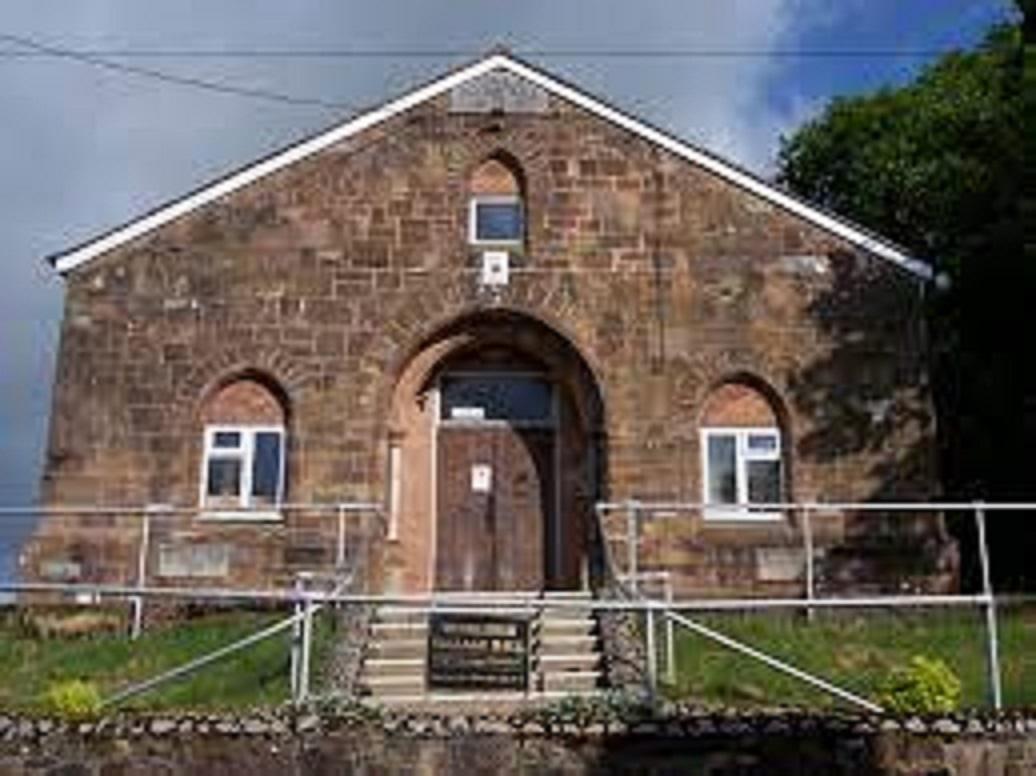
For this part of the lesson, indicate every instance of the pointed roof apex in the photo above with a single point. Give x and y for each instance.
(499, 57)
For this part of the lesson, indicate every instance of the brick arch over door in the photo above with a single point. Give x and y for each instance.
(413, 422)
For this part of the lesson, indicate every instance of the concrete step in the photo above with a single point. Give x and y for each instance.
(568, 595)
(393, 684)
(408, 630)
(397, 648)
(392, 615)
(574, 662)
(394, 666)
(551, 628)
(570, 681)
(567, 613)
(500, 700)
(564, 644)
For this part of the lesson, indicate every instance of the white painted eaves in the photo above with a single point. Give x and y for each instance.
(858, 236)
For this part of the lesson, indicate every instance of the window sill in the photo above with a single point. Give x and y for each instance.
(240, 516)
(740, 515)
(500, 245)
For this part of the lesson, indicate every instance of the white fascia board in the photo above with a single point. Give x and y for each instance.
(853, 234)
(66, 262)
(857, 236)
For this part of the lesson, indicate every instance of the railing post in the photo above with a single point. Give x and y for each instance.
(670, 641)
(340, 549)
(807, 538)
(307, 649)
(632, 538)
(529, 647)
(143, 549)
(651, 647)
(296, 641)
(992, 640)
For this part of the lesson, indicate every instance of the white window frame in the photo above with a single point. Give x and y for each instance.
(246, 455)
(493, 199)
(741, 510)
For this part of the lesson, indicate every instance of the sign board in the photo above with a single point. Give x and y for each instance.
(481, 478)
(478, 652)
(468, 413)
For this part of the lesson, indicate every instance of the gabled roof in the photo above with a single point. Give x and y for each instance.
(856, 235)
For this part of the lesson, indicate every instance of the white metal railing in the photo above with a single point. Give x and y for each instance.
(636, 512)
(145, 519)
(672, 608)
(310, 601)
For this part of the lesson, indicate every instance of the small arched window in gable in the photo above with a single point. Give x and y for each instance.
(742, 466)
(243, 463)
(496, 213)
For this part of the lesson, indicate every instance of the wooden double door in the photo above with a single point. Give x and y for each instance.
(497, 507)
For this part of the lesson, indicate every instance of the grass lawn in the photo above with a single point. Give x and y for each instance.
(855, 651)
(254, 677)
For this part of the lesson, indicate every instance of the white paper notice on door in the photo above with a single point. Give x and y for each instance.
(481, 478)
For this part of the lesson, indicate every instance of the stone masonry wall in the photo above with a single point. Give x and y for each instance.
(363, 742)
(327, 276)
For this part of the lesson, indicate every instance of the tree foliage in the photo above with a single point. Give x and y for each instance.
(934, 165)
(938, 165)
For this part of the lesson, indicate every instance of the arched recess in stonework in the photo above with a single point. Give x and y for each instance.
(745, 444)
(498, 172)
(497, 201)
(494, 351)
(242, 438)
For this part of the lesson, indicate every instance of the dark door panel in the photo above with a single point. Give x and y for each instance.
(492, 529)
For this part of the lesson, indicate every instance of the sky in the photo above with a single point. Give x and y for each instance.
(83, 149)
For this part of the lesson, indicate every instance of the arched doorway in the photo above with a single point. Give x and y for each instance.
(496, 430)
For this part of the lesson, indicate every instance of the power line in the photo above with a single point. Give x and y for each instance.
(222, 87)
(664, 53)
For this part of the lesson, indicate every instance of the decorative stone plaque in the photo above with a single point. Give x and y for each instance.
(193, 560)
(499, 90)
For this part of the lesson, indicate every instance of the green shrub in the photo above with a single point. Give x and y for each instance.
(925, 686)
(73, 699)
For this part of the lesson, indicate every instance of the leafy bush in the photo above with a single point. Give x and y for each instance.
(611, 706)
(74, 699)
(924, 686)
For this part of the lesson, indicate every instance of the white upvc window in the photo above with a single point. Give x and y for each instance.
(496, 219)
(243, 469)
(741, 467)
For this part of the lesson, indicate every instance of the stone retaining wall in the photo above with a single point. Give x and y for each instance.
(563, 739)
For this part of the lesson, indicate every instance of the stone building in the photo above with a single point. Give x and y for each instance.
(487, 306)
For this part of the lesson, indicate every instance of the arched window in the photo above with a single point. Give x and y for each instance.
(243, 462)
(497, 210)
(741, 455)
